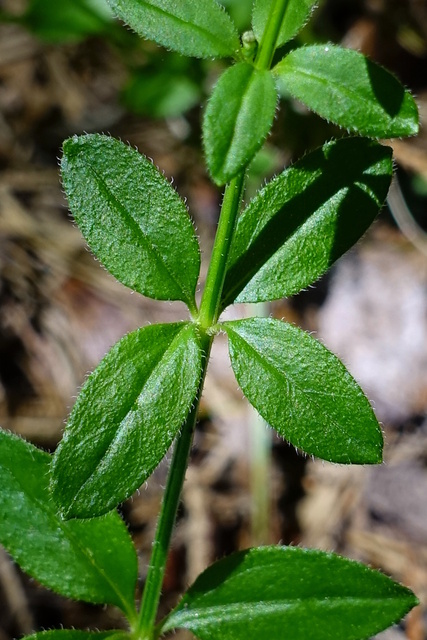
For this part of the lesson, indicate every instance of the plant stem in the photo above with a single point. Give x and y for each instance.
(144, 629)
(211, 299)
(260, 464)
(209, 308)
(268, 42)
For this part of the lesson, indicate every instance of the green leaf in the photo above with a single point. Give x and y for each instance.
(201, 29)
(131, 217)
(288, 592)
(305, 219)
(297, 14)
(238, 119)
(303, 391)
(240, 13)
(91, 560)
(66, 20)
(348, 89)
(162, 94)
(126, 417)
(73, 634)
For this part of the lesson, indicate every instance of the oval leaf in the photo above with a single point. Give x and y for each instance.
(305, 219)
(303, 391)
(297, 14)
(91, 560)
(348, 89)
(238, 119)
(125, 418)
(287, 592)
(201, 29)
(131, 217)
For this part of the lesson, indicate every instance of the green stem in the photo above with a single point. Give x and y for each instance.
(268, 43)
(144, 629)
(210, 309)
(260, 480)
(211, 299)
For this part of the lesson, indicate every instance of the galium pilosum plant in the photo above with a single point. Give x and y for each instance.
(58, 517)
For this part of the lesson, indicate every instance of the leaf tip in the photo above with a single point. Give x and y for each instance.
(373, 453)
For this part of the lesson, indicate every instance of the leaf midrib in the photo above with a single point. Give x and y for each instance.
(180, 21)
(120, 426)
(238, 611)
(279, 376)
(239, 285)
(52, 517)
(140, 233)
(328, 82)
(224, 169)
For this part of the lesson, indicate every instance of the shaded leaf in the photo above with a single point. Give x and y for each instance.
(91, 560)
(288, 592)
(73, 634)
(305, 219)
(131, 217)
(68, 20)
(162, 94)
(237, 120)
(126, 417)
(296, 16)
(201, 29)
(348, 89)
(303, 391)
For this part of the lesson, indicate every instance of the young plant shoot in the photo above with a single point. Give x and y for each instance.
(57, 515)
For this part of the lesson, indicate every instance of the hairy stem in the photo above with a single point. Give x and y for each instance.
(156, 570)
(210, 308)
(144, 629)
(211, 299)
(268, 43)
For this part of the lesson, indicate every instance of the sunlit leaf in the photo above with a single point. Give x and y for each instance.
(348, 89)
(288, 592)
(201, 29)
(296, 15)
(126, 417)
(238, 119)
(303, 391)
(132, 218)
(305, 219)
